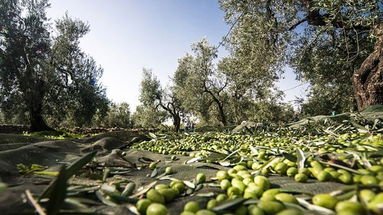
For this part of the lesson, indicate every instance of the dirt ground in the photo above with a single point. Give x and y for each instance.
(16, 149)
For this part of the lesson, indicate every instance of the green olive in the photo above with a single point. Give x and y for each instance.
(238, 184)
(252, 192)
(255, 210)
(225, 184)
(168, 193)
(323, 176)
(367, 195)
(200, 178)
(376, 204)
(222, 175)
(129, 188)
(325, 200)
(290, 211)
(262, 181)
(205, 212)
(270, 194)
(168, 170)
(142, 205)
(369, 180)
(376, 168)
(292, 171)
(155, 196)
(161, 186)
(221, 197)
(345, 178)
(192, 206)
(211, 204)
(233, 191)
(300, 177)
(287, 198)
(354, 207)
(179, 185)
(156, 209)
(152, 165)
(281, 168)
(241, 210)
(304, 171)
(271, 207)
(187, 213)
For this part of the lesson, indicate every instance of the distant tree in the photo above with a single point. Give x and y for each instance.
(249, 88)
(42, 73)
(152, 95)
(148, 117)
(325, 101)
(199, 84)
(118, 115)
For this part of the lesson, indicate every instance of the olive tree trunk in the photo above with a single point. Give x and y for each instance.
(34, 100)
(368, 79)
(176, 122)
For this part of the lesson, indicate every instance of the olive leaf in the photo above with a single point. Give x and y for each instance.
(154, 173)
(300, 158)
(153, 136)
(145, 160)
(289, 157)
(144, 189)
(58, 194)
(69, 172)
(296, 192)
(254, 150)
(133, 209)
(228, 205)
(295, 206)
(340, 167)
(225, 163)
(189, 184)
(209, 195)
(317, 209)
(103, 199)
(193, 160)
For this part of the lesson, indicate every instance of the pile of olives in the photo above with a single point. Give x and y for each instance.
(350, 159)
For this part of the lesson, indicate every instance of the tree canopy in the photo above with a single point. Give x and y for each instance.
(46, 74)
(325, 42)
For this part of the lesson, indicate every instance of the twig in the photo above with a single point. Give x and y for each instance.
(35, 204)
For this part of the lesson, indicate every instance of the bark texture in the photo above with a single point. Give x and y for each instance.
(34, 98)
(368, 79)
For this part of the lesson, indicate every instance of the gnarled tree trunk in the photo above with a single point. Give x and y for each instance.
(176, 122)
(34, 98)
(368, 79)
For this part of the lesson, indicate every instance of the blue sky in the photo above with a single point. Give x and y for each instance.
(128, 35)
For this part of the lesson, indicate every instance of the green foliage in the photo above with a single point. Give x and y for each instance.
(324, 41)
(148, 117)
(150, 90)
(118, 116)
(41, 74)
(155, 99)
(200, 85)
(56, 135)
(25, 170)
(325, 100)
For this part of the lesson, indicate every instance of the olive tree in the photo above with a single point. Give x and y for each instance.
(200, 85)
(329, 43)
(153, 95)
(42, 72)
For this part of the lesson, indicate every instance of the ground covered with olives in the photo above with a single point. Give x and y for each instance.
(266, 172)
(346, 171)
